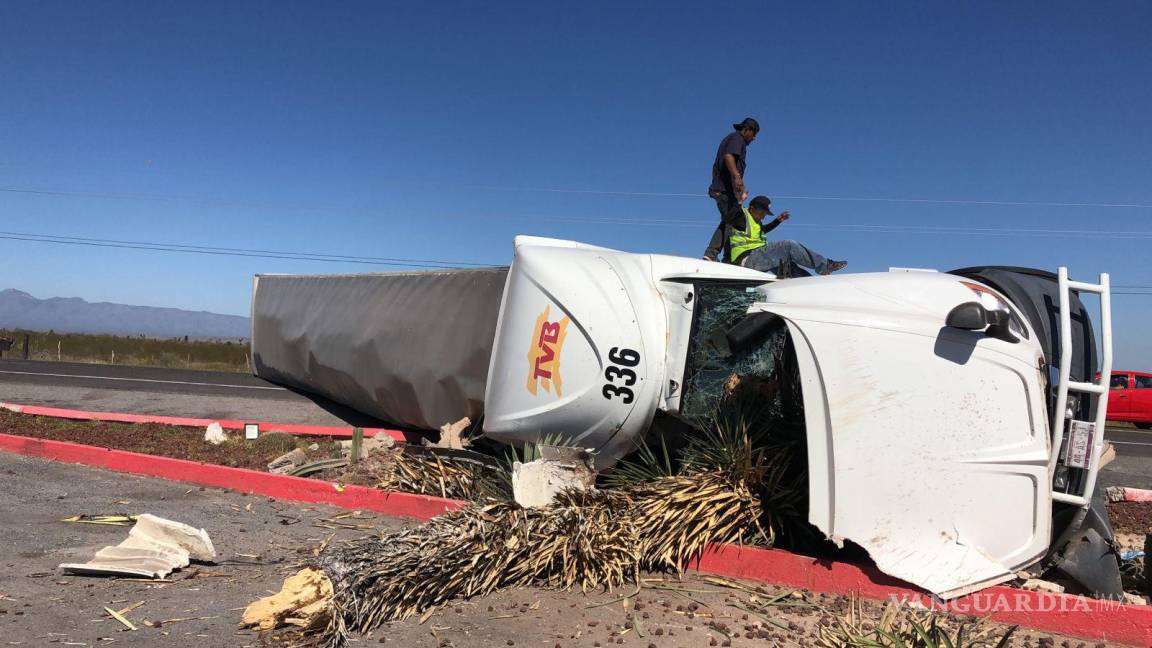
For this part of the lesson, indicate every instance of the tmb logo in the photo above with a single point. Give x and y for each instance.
(544, 353)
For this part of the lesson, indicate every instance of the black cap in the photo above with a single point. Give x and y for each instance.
(761, 202)
(748, 123)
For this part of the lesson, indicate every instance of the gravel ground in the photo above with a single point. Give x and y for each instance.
(1131, 517)
(260, 541)
(167, 440)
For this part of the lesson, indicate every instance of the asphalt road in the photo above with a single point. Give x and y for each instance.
(208, 383)
(1130, 442)
(258, 541)
(166, 392)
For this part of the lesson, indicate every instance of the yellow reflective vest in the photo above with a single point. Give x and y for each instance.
(746, 240)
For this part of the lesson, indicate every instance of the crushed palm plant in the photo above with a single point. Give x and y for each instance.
(590, 540)
(903, 627)
(412, 470)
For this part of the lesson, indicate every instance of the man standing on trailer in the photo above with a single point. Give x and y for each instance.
(727, 187)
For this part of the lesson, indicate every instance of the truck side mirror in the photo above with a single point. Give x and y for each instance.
(972, 316)
(998, 326)
(969, 316)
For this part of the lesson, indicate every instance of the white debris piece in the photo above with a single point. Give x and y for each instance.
(1039, 585)
(195, 541)
(536, 483)
(215, 434)
(154, 547)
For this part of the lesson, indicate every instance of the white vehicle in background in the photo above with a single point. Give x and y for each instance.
(951, 417)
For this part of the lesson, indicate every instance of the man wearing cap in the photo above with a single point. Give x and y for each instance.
(727, 187)
(748, 248)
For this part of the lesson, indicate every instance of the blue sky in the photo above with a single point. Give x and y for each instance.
(433, 131)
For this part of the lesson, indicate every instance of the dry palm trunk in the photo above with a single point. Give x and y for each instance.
(587, 540)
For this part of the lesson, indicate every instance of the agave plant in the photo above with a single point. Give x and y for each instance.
(748, 439)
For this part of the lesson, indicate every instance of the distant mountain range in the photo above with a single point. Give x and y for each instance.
(20, 310)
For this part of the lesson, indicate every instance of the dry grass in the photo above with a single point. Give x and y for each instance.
(209, 355)
(902, 627)
(398, 470)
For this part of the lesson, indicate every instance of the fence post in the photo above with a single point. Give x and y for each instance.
(26, 336)
(58, 355)
(113, 356)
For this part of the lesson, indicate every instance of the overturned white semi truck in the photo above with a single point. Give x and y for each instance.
(954, 421)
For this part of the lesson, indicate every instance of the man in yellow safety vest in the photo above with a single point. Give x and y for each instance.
(749, 248)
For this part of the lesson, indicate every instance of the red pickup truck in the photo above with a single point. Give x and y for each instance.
(1131, 398)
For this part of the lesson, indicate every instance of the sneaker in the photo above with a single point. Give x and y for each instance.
(833, 266)
(708, 258)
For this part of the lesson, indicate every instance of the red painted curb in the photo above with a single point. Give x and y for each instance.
(228, 424)
(1072, 615)
(298, 489)
(1137, 495)
(1063, 613)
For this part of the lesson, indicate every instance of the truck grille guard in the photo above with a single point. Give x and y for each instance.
(1064, 417)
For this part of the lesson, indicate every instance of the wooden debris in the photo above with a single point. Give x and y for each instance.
(119, 617)
(303, 596)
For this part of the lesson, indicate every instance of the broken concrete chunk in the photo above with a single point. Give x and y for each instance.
(452, 435)
(1039, 585)
(1134, 599)
(380, 441)
(369, 445)
(536, 483)
(214, 434)
(1114, 493)
(153, 548)
(195, 541)
(303, 595)
(287, 462)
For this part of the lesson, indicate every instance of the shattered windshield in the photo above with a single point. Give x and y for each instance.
(713, 367)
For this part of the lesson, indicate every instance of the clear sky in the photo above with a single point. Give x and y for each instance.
(437, 130)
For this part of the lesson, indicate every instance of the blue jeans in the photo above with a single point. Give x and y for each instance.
(776, 254)
(730, 214)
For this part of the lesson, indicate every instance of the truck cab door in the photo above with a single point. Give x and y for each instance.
(1120, 397)
(1140, 399)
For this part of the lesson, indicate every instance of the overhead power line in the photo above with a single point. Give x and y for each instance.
(884, 199)
(892, 228)
(594, 192)
(237, 252)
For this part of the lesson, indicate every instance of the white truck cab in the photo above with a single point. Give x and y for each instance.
(926, 396)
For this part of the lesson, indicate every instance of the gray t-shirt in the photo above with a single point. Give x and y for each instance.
(721, 179)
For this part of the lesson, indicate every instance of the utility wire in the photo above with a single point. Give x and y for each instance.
(310, 255)
(595, 192)
(236, 252)
(839, 198)
(853, 227)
